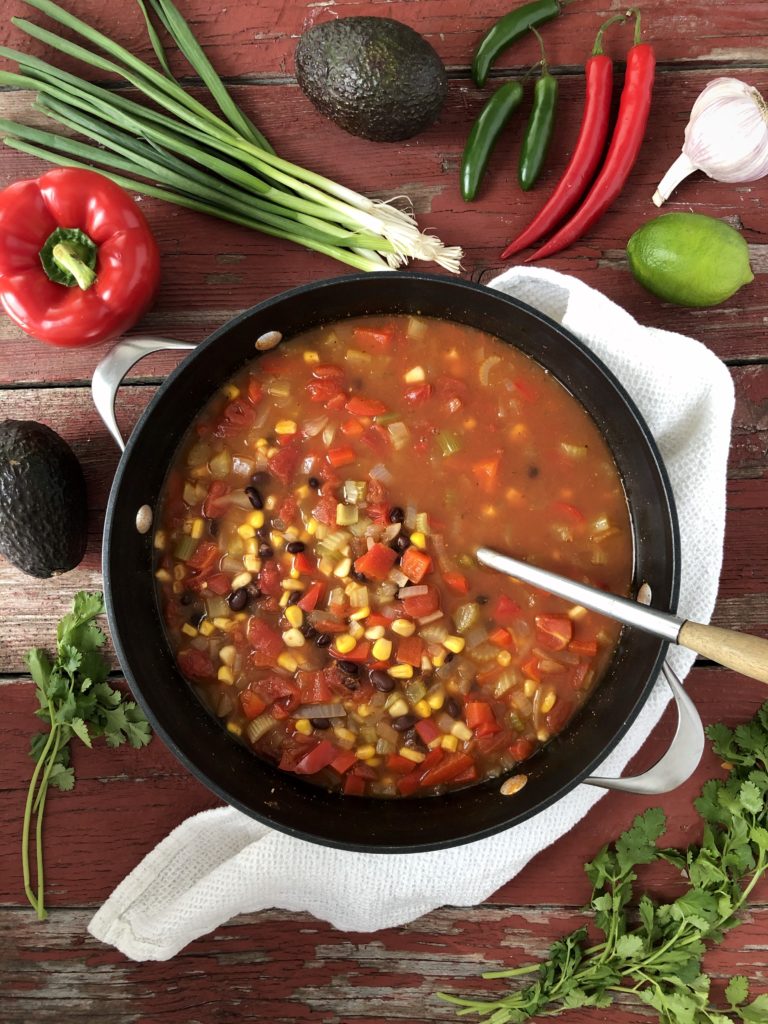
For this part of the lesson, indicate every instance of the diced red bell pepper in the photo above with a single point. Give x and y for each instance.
(528, 393)
(219, 583)
(586, 647)
(478, 712)
(269, 578)
(399, 765)
(328, 371)
(285, 462)
(501, 637)
(418, 394)
(358, 654)
(251, 703)
(415, 564)
(375, 619)
(343, 761)
(311, 596)
(522, 748)
(205, 556)
(579, 675)
(378, 511)
(560, 713)
(317, 758)
(452, 765)
(554, 632)
(505, 611)
(376, 562)
(566, 509)
(456, 581)
(493, 743)
(530, 668)
(410, 650)
(423, 605)
(352, 428)
(330, 626)
(408, 784)
(354, 785)
(341, 455)
(266, 643)
(377, 439)
(359, 406)
(303, 563)
(427, 730)
(215, 504)
(486, 473)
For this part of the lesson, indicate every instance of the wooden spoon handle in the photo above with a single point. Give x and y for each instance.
(740, 651)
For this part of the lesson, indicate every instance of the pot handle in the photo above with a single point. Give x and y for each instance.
(682, 758)
(109, 374)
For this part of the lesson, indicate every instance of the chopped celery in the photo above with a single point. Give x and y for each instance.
(399, 434)
(346, 515)
(414, 690)
(448, 443)
(422, 522)
(354, 491)
(279, 388)
(387, 417)
(185, 548)
(221, 464)
(466, 616)
(416, 328)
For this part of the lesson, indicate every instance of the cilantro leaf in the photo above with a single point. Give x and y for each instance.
(737, 991)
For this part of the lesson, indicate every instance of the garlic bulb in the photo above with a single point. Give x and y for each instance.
(726, 137)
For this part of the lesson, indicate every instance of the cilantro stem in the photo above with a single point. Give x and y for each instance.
(31, 793)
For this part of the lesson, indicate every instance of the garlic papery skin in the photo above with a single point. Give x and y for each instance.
(726, 137)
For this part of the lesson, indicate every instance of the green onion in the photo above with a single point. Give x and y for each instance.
(448, 443)
(180, 151)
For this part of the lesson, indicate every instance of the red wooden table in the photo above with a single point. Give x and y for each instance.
(280, 966)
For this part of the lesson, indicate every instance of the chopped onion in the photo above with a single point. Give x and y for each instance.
(410, 517)
(432, 617)
(328, 434)
(259, 726)
(382, 474)
(399, 578)
(241, 500)
(486, 367)
(390, 532)
(241, 466)
(311, 428)
(419, 591)
(415, 328)
(320, 711)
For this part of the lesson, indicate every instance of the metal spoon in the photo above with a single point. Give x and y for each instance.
(740, 651)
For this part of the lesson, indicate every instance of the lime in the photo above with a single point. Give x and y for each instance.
(689, 259)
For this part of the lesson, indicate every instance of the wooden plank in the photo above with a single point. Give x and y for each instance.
(126, 801)
(205, 284)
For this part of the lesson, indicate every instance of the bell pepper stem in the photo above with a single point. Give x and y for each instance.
(65, 257)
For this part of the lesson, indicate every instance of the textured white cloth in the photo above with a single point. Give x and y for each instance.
(220, 863)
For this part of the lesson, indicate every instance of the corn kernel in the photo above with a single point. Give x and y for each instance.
(234, 728)
(542, 735)
(163, 575)
(198, 526)
(577, 612)
(271, 453)
(242, 616)
(403, 627)
(518, 432)
(530, 686)
(262, 442)
(422, 709)
(241, 580)
(284, 599)
(225, 675)
(489, 512)
(548, 702)
(449, 743)
(294, 574)
(374, 633)
(293, 637)
(206, 628)
(470, 423)
(160, 540)
(436, 699)
(344, 734)
(382, 650)
(361, 613)
(356, 630)
(230, 391)
(419, 539)
(411, 755)
(256, 519)
(246, 531)
(304, 726)
(365, 710)
(223, 622)
(438, 660)
(301, 492)
(293, 585)
(374, 762)
(400, 672)
(285, 427)
(276, 539)
(188, 629)
(455, 644)
(398, 707)
(287, 661)
(504, 658)
(270, 502)
(227, 655)
(294, 615)
(366, 751)
(310, 356)
(513, 496)
(179, 572)
(461, 731)
(252, 563)
(312, 526)
(251, 546)
(415, 375)
(344, 568)
(345, 643)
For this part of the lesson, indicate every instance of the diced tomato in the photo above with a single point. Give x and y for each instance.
(501, 637)
(505, 611)
(451, 393)
(370, 339)
(560, 714)
(573, 513)
(456, 581)
(285, 462)
(314, 687)
(255, 390)
(328, 371)
(410, 650)
(266, 643)
(468, 775)
(358, 654)
(378, 511)
(288, 510)
(485, 472)
(205, 556)
(579, 675)
(317, 758)
(269, 578)
(238, 418)
(424, 604)
(325, 510)
(530, 668)
(294, 750)
(399, 765)
(325, 391)
(427, 730)
(311, 596)
(415, 564)
(418, 394)
(279, 688)
(478, 712)
(341, 455)
(251, 703)
(452, 764)
(365, 771)
(354, 785)
(303, 563)
(352, 428)
(376, 562)
(214, 504)
(554, 632)
(377, 439)
(343, 761)
(359, 406)
(195, 664)
(329, 626)
(337, 401)
(522, 748)
(586, 647)
(374, 619)
(408, 784)
(219, 584)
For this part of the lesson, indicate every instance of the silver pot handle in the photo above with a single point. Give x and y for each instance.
(109, 374)
(682, 758)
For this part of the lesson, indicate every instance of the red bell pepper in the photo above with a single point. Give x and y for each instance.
(78, 263)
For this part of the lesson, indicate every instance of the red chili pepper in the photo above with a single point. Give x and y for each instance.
(589, 147)
(78, 263)
(623, 151)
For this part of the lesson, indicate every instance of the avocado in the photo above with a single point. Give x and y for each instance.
(373, 77)
(43, 504)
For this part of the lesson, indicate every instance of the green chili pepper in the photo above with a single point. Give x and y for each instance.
(484, 136)
(509, 29)
(538, 133)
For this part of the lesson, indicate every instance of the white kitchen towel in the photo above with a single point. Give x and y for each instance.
(221, 863)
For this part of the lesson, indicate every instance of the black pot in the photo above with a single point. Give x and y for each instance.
(285, 801)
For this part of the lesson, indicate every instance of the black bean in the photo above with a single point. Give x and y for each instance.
(396, 515)
(449, 658)
(402, 543)
(314, 483)
(413, 740)
(309, 631)
(196, 618)
(360, 577)
(404, 722)
(294, 547)
(381, 681)
(254, 497)
(260, 477)
(238, 599)
(452, 707)
(320, 723)
(533, 471)
(265, 551)
(213, 527)
(187, 597)
(253, 592)
(323, 639)
(295, 597)
(350, 667)
(481, 599)
(350, 682)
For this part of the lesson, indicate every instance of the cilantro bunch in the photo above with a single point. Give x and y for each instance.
(650, 949)
(76, 701)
